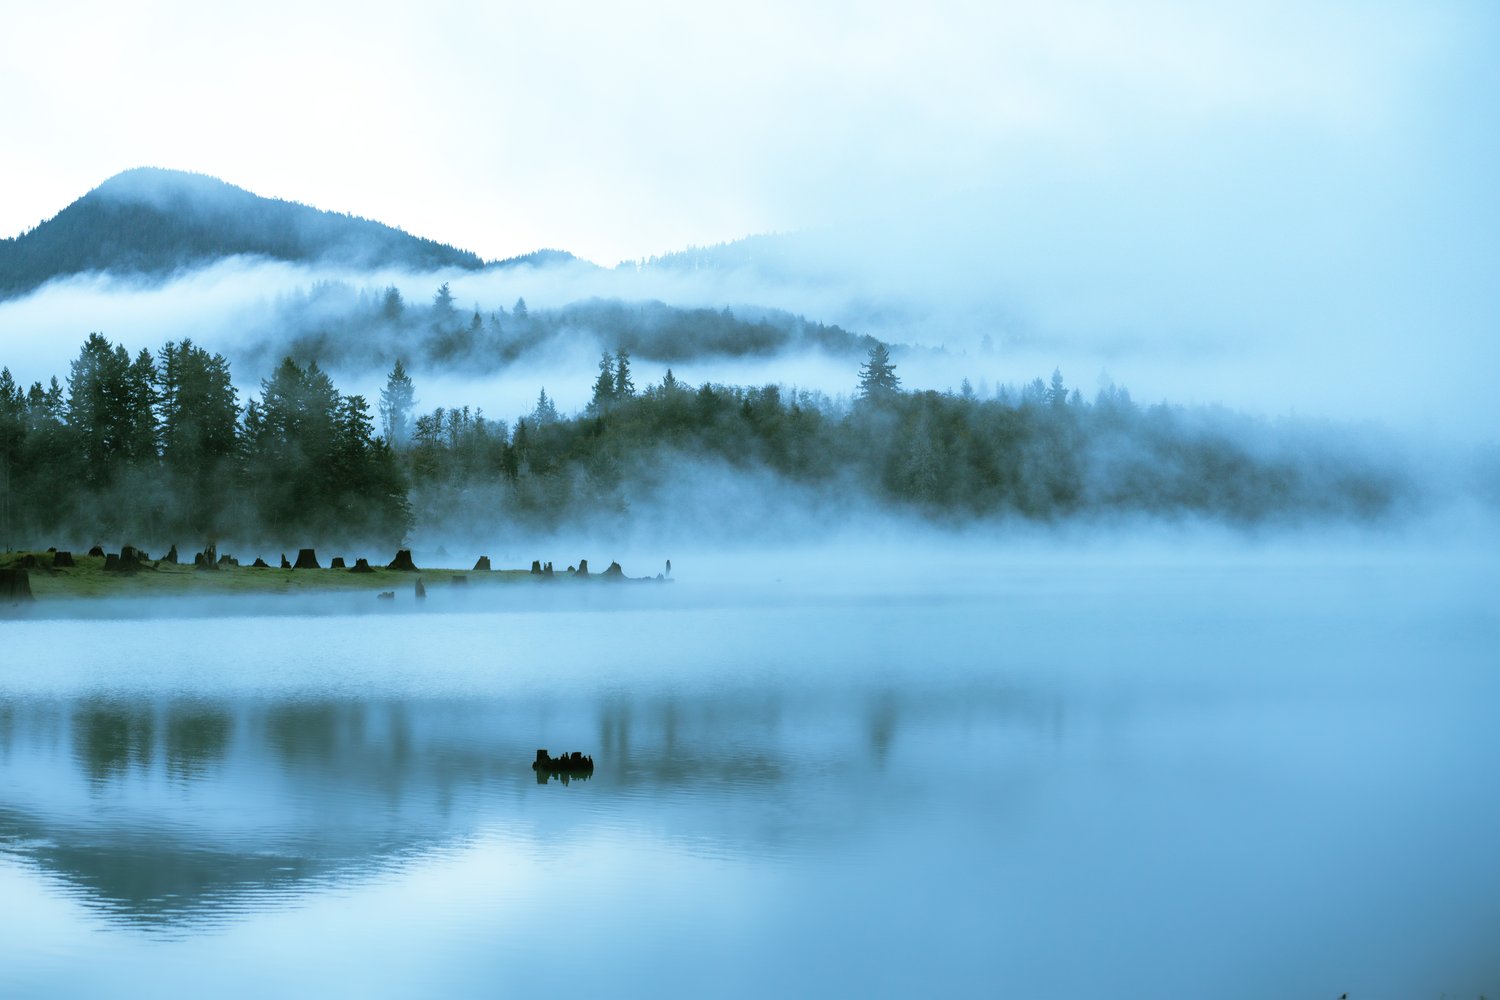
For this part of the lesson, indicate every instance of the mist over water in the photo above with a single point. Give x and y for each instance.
(1256, 770)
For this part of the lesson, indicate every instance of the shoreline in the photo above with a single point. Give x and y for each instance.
(87, 579)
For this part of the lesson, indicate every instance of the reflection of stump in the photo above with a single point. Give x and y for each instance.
(536, 566)
(460, 580)
(62, 560)
(307, 559)
(172, 555)
(260, 564)
(421, 591)
(361, 566)
(403, 562)
(483, 565)
(97, 552)
(284, 563)
(338, 563)
(386, 595)
(15, 586)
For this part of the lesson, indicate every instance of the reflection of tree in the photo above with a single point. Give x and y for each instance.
(196, 736)
(109, 738)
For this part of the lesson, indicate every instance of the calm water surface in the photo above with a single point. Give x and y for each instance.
(1270, 778)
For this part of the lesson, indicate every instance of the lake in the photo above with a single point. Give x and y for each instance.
(1227, 771)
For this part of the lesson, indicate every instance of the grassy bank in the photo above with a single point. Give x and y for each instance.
(88, 579)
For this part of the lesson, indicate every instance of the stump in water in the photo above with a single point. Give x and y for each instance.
(284, 563)
(614, 572)
(361, 566)
(172, 555)
(403, 562)
(338, 563)
(536, 566)
(62, 560)
(386, 595)
(15, 586)
(483, 565)
(460, 580)
(583, 567)
(260, 564)
(97, 552)
(307, 559)
(421, 591)
(29, 561)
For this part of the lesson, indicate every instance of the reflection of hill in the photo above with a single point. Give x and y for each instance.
(160, 814)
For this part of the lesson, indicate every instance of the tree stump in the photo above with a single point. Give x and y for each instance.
(260, 564)
(307, 559)
(62, 560)
(112, 563)
(15, 586)
(536, 566)
(97, 552)
(403, 562)
(361, 566)
(583, 567)
(421, 591)
(614, 572)
(338, 563)
(483, 565)
(284, 563)
(172, 555)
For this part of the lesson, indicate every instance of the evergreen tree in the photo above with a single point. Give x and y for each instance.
(877, 376)
(624, 387)
(545, 412)
(392, 305)
(397, 400)
(604, 385)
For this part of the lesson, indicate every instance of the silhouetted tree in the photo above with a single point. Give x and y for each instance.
(877, 376)
(396, 402)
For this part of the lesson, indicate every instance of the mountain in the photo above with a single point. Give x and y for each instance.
(153, 222)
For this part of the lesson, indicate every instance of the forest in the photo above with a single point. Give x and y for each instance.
(153, 449)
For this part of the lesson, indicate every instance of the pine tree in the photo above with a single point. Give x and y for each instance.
(877, 377)
(624, 387)
(397, 400)
(546, 411)
(604, 385)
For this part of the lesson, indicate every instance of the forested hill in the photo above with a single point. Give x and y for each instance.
(153, 222)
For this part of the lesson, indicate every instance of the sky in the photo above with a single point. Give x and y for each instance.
(1105, 180)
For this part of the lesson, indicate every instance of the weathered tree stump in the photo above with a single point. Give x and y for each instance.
(28, 561)
(284, 563)
(260, 564)
(613, 573)
(307, 559)
(403, 562)
(421, 591)
(536, 566)
(227, 560)
(483, 565)
(62, 560)
(338, 563)
(361, 566)
(171, 556)
(547, 569)
(583, 567)
(112, 563)
(15, 586)
(97, 552)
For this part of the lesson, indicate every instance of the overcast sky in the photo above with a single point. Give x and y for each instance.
(1294, 172)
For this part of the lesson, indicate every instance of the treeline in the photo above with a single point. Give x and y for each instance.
(336, 323)
(156, 448)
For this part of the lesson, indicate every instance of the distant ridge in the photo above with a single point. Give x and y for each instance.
(150, 221)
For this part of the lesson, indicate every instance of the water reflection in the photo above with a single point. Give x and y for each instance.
(163, 814)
